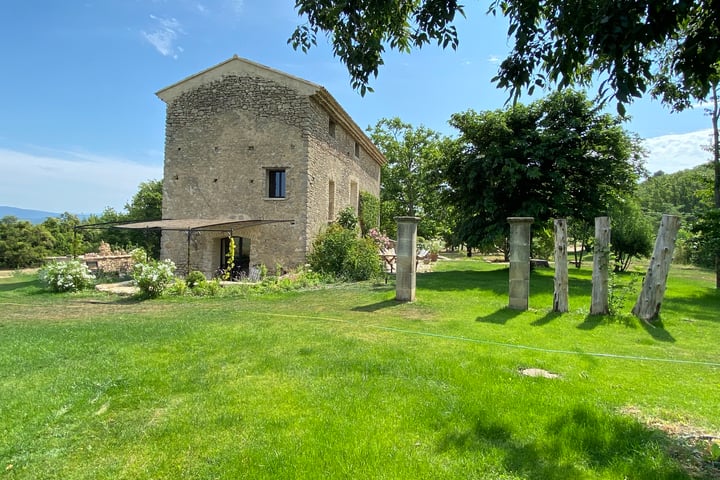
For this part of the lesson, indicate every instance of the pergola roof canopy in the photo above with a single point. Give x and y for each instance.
(190, 224)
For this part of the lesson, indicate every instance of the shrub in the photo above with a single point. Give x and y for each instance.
(369, 212)
(66, 276)
(195, 279)
(339, 252)
(178, 287)
(206, 288)
(152, 277)
(347, 219)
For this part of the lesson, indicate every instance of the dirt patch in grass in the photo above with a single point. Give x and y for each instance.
(691, 446)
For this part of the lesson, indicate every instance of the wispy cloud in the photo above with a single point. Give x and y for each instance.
(494, 59)
(70, 181)
(236, 6)
(671, 153)
(164, 35)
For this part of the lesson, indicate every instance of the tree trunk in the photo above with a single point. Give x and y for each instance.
(715, 115)
(560, 298)
(653, 290)
(601, 264)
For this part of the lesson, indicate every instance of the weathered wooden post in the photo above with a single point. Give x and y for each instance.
(560, 297)
(653, 290)
(519, 262)
(601, 264)
(406, 251)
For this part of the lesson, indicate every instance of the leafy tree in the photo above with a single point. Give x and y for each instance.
(146, 204)
(562, 42)
(410, 186)
(681, 193)
(23, 244)
(632, 234)
(66, 240)
(556, 158)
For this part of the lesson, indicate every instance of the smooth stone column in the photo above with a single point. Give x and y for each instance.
(519, 262)
(406, 251)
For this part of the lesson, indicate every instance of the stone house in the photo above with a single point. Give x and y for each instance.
(260, 156)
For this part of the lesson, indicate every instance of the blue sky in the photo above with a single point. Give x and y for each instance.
(81, 127)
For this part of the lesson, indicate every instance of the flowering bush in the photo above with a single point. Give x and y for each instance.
(152, 277)
(66, 276)
(380, 239)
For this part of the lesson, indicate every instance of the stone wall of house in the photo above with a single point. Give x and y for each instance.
(333, 163)
(222, 139)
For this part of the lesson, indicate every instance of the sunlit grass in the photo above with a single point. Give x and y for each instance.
(344, 382)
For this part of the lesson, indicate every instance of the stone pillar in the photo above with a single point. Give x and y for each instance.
(560, 296)
(406, 251)
(519, 262)
(601, 268)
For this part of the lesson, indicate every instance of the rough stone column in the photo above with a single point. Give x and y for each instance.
(560, 297)
(406, 251)
(519, 262)
(601, 268)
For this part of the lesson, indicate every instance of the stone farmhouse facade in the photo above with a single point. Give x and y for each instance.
(261, 156)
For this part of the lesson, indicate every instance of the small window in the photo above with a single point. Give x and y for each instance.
(357, 150)
(331, 128)
(354, 198)
(331, 201)
(276, 183)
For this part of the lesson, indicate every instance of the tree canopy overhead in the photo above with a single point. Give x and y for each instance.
(561, 42)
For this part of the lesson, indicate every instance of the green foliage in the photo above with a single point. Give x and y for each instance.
(543, 240)
(153, 276)
(66, 241)
(410, 184)
(340, 252)
(622, 289)
(556, 158)
(555, 42)
(707, 238)
(685, 193)
(632, 234)
(69, 276)
(369, 214)
(347, 219)
(23, 244)
(195, 278)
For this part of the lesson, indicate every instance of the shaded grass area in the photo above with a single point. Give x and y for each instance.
(344, 382)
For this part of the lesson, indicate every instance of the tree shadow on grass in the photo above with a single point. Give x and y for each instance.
(17, 284)
(500, 317)
(656, 329)
(608, 445)
(549, 317)
(374, 307)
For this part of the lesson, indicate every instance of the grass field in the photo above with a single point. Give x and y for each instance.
(344, 382)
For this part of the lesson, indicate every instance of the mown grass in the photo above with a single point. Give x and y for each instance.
(344, 382)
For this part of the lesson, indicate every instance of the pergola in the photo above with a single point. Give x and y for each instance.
(188, 225)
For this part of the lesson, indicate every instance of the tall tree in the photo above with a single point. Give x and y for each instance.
(23, 244)
(409, 184)
(557, 157)
(561, 42)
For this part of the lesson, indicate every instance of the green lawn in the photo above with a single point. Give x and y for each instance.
(343, 382)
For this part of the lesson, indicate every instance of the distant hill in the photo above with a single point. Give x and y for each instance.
(34, 216)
